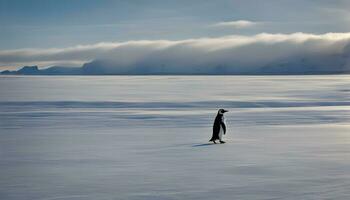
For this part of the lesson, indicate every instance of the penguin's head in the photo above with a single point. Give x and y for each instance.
(222, 111)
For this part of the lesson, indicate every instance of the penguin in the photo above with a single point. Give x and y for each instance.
(219, 127)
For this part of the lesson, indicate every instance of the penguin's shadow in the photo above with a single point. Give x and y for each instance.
(203, 145)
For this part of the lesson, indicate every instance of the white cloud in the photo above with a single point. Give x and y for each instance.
(229, 54)
(240, 24)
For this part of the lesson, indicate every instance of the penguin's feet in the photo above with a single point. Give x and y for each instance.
(222, 142)
(214, 141)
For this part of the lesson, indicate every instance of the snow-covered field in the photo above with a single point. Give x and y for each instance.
(146, 137)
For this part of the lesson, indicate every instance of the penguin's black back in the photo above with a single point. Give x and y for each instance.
(216, 127)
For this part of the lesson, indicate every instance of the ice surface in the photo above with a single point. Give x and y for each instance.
(145, 137)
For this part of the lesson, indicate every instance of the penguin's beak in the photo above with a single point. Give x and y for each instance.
(225, 111)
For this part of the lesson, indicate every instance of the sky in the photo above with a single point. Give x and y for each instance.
(39, 27)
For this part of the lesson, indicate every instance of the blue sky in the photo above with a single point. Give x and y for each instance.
(51, 23)
(61, 24)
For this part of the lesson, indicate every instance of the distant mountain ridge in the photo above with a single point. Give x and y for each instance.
(104, 67)
(34, 70)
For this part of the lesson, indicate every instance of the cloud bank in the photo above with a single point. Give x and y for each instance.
(239, 24)
(236, 54)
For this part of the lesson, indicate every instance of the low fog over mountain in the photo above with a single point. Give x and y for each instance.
(297, 53)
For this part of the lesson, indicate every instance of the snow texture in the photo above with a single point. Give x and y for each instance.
(146, 137)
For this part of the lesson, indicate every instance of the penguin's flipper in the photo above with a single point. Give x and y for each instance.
(223, 127)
